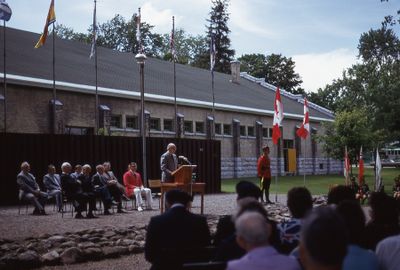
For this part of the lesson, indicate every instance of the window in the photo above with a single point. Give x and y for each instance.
(250, 131)
(265, 132)
(168, 125)
(78, 130)
(270, 132)
(227, 129)
(199, 127)
(115, 121)
(287, 144)
(218, 129)
(242, 130)
(155, 124)
(188, 126)
(131, 122)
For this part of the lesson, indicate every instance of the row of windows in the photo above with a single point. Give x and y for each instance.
(197, 127)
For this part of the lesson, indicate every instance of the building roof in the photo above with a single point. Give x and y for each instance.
(118, 75)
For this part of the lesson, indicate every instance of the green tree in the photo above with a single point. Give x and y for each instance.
(253, 64)
(218, 27)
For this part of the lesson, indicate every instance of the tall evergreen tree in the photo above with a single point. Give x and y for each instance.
(218, 27)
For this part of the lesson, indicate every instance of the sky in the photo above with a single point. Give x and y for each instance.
(321, 36)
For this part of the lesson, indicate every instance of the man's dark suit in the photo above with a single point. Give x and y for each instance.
(172, 235)
(168, 163)
(100, 188)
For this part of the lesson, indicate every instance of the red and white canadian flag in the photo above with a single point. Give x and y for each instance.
(278, 117)
(304, 130)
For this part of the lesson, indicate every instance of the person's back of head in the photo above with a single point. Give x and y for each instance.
(252, 230)
(340, 193)
(247, 189)
(324, 239)
(354, 219)
(299, 201)
(384, 208)
(177, 196)
(250, 204)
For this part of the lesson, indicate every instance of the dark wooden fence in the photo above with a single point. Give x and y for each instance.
(43, 149)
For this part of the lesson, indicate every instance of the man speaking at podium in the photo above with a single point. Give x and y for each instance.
(169, 163)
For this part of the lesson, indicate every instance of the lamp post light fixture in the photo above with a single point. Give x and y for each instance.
(141, 58)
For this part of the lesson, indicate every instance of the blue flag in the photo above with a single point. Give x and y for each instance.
(5, 11)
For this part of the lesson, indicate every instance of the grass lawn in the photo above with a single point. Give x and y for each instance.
(317, 184)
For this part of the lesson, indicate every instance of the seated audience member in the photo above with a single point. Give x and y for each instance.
(77, 171)
(384, 219)
(354, 219)
(396, 188)
(88, 189)
(52, 183)
(229, 249)
(100, 186)
(323, 240)
(134, 187)
(225, 226)
(340, 193)
(116, 189)
(172, 236)
(388, 251)
(299, 202)
(363, 192)
(73, 190)
(29, 190)
(253, 232)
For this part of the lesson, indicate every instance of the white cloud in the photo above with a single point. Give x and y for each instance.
(320, 69)
(161, 19)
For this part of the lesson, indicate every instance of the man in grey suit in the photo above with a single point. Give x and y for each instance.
(169, 163)
(52, 183)
(29, 190)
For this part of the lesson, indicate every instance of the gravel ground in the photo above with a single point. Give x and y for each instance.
(14, 226)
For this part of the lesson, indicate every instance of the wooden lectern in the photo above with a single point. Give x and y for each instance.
(183, 181)
(183, 175)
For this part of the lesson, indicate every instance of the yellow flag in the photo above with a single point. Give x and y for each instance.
(51, 18)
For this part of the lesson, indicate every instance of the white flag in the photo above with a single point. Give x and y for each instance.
(378, 169)
(94, 34)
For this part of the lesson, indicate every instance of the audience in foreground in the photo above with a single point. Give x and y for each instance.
(174, 237)
(354, 219)
(253, 232)
(388, 251)
(323, 240)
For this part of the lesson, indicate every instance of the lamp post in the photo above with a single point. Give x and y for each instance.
(141, 58)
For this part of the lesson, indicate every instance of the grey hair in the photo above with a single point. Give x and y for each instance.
(99, 166)
(65, 164)
(86, 166)
(24, 164)
(170, 145)
(253, 228)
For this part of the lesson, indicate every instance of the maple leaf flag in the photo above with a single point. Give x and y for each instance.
(278, 117)
(360, 167)
(304, 130)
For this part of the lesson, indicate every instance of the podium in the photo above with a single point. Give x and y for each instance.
(183, 181)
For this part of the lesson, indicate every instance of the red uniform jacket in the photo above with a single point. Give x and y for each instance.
(264, 167)
(131, 181)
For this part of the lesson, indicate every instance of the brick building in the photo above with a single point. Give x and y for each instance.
(243, 104)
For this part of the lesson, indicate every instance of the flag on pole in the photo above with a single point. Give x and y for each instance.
(304, 130)
(360, 167)
(346, 164)
(212, 52)
(94, 34)
(51, 18)
(278, 117)
(172, 40)
(138, 34)
(5, 11)
(378, 169)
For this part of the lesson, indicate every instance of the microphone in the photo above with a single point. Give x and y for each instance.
(185, 159)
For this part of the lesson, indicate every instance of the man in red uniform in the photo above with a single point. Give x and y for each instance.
(134, 187)
(264, 173)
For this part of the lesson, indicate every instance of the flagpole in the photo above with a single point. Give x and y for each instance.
(277, 171)
(54, 81)
(304, 161)
(173, 59)
(96, 111)
(5, 78)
